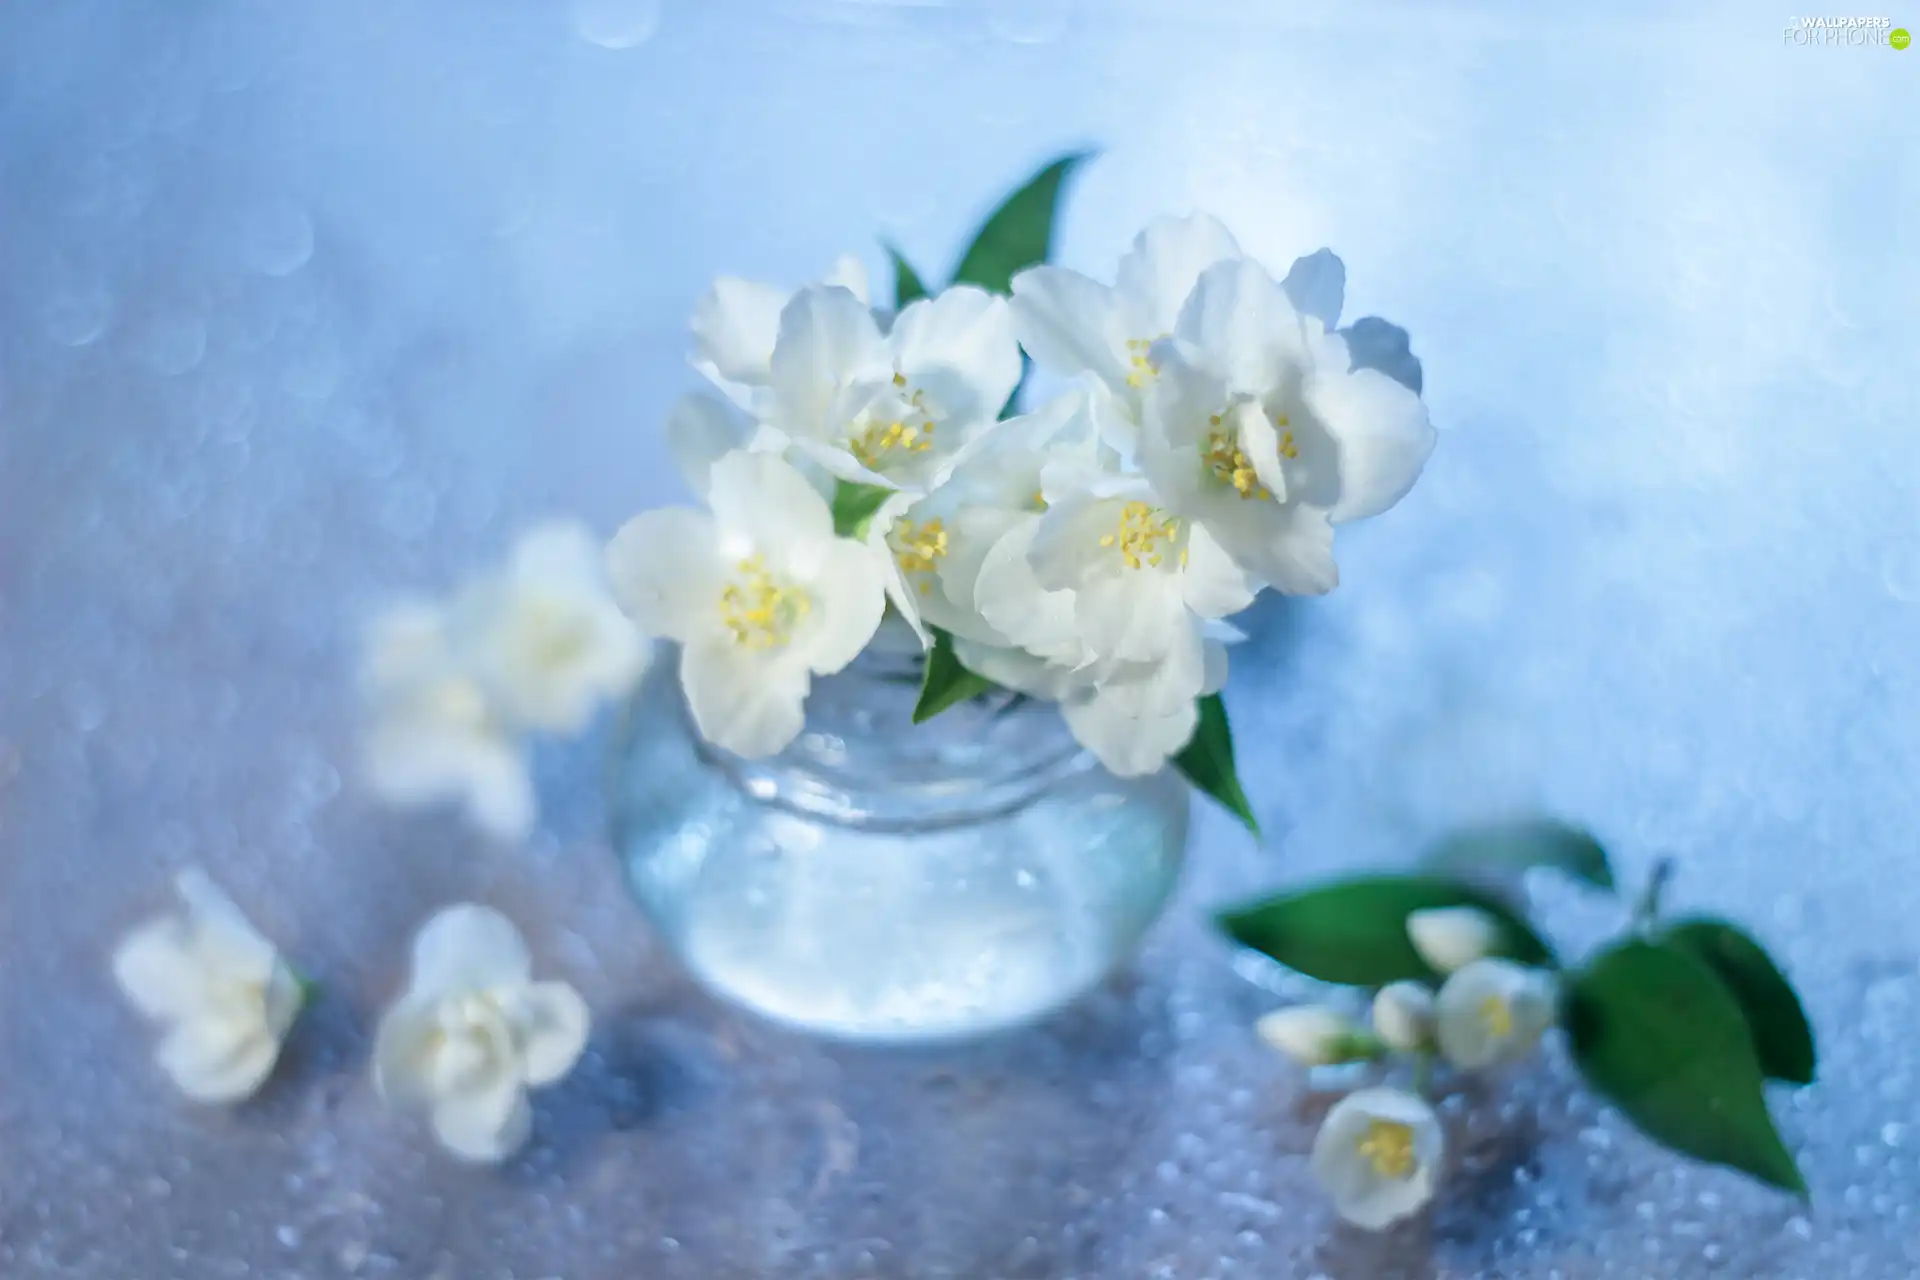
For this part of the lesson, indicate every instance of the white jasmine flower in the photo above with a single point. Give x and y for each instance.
(1312, 1035)
(1072, 325)
(890, 409)
(1259, 429)
(219, 988)
(433, 735)
(1450, 938)
(737, 323)
(544, 637)
(474, 1032)
(760, 594)
(1491, 1013)
(1378, 1156)
(1403, 1016)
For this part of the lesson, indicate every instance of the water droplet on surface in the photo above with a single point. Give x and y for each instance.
(276, 238)
(615, 24)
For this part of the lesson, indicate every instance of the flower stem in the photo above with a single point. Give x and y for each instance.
(1647, 909)
(1423, 1073)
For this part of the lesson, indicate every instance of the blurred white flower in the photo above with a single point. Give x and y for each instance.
(432, 734)
(890, 409)
(1492, 1012)
(219, 988)
(1073, 325)
(1311, 1034)
(1259, 429)
(473, 1032)
(737, 322)
(1403, 1016)
(760, 594)
(1450, 938)
(544, 637)
(1378, 1156)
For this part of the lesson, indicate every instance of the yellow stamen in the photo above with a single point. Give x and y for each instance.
(758, 610)
(1140, 366)
(1230, 465)
(1496, 1017)
(882, 438)
(918, 546)
(1388, 1147)
(1140, 534)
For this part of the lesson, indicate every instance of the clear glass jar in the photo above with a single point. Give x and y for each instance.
(886, 881)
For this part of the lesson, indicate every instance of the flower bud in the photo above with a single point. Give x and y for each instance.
(1312, 1035)
(1450, 938)
(1403, 1016)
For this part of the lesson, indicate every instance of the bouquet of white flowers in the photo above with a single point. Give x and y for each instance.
(1214, 425)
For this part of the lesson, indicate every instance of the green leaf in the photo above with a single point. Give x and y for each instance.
(854, 505)
(906, 281)
(946, 681)
(1355, 931)
(1781, 1035)
(1656, 1033)
(1207, 761)
(1020, 232)
(1523, 843)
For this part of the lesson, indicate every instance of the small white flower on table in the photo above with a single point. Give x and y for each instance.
(474, 1032)
(1492, 1012)
(544, 637)
(221, 990)
(1450, 938)
(760, 594)
(1403, 1017)
(1378, 1156)
(1311, 1034)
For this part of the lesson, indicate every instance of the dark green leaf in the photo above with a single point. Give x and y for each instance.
(1019, 233)
(1207, 761)
(1656, 1033)
(1355, 931)
(1523, 843)
(854, 505)
(906, 281)
(946, 681)
(1781, 1036)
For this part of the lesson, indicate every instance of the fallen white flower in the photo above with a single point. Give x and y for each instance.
(544, 637)
(1378, 1156)
(1450, 938)
(1403, 1016)
(1492, 1012)
(432, 733)
(1311, 1034)
(473, 1033)
(760, 594)
(221, 990)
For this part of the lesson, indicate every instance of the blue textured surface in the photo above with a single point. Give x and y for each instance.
(304, 304)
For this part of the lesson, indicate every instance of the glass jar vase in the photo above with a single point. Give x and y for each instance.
(891, 882)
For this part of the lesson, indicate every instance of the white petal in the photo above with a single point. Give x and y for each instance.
(1383, 435)
(827, 340)
(735, 326)
(1317, 286)
(745, 702)
(1156, 276)
(1068, 324)
(1491, 1012)
(1403, 1016)
(1212, 584)
(702, 429)
(1133, 616)
(850, 274)
(1243, 324)
(1128, 746)
(959, 347)
(901, 594)
(226, 941)
(849, 599)
(468, 948)
(1013, 602)
(761, 498)
(664, 569)
(156, 967)
(1017, 669)
(218, 1060)
(403, 1049)
(411, 762)
(550, 1023)
(485, 1125)
(1289, 547)
(404, 645)
(1360, 1194)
